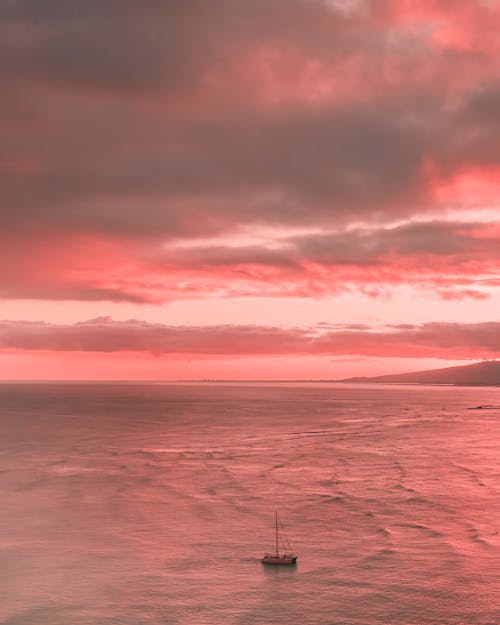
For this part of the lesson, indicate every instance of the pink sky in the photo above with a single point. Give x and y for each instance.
(258, 190)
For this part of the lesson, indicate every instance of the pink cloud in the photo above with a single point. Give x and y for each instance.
(457, 25)
(453, 259)
(469, 187)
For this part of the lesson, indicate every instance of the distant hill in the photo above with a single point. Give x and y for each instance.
(480, 374)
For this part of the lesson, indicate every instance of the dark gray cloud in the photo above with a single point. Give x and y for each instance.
(176, 118)
(452, 244)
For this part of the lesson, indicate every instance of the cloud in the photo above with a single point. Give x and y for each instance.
(183, 118)
(451, 259)
(452, 341)
(130, 127)
(455, 260)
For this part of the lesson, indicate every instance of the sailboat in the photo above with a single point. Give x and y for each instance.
(286, 557)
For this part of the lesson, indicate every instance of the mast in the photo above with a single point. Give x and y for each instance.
(276, 524)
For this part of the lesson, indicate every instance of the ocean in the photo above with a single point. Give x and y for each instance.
(153, 503)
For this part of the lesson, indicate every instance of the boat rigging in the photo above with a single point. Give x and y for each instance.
(286, 557)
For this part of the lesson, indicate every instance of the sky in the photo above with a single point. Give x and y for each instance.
(248, 189)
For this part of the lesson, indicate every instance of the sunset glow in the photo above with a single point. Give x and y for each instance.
(248, 190)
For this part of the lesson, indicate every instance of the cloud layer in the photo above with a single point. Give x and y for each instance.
(449, 341)
(130, 127)
(449, 259)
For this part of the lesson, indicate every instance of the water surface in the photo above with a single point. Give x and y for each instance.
(153, 503)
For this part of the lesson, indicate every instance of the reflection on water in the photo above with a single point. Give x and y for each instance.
(285, 571)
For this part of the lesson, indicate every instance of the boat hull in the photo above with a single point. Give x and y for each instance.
(279, 560)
